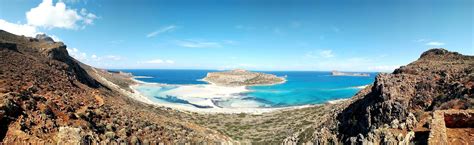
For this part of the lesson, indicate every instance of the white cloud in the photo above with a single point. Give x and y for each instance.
(435, 43)
(197, 44)
(88, 17)
(421, 40)
(165, 29)
(49, 16)
(23, 29)
(430, 42)
(326, 53)
(159, 61)
(320, 54)
(18, 29)
(55, 38)
(93, 60)
(75, 53)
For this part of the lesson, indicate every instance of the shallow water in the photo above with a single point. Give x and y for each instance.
(301, 88)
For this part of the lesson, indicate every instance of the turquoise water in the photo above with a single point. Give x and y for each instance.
(301, 88)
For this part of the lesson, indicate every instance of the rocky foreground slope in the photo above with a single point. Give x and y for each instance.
(399, 107)
(240, 77)
(47, 96)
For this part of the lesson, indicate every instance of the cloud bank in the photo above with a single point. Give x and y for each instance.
(49, 15)
(18, 29)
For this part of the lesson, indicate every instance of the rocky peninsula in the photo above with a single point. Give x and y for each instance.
(241, 77)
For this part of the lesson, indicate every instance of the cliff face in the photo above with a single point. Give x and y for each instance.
(398, 107)
(44, 46)
(47, 96)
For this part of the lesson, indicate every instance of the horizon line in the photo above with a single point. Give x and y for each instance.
(244, 69)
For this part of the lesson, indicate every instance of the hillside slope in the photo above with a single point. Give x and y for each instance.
(399, 107)
(48, 96)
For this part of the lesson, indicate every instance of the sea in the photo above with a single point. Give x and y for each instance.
(301, 88)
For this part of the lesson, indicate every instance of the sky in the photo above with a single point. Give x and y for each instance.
(298, 35)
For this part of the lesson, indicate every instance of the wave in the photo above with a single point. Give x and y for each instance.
(360, 87)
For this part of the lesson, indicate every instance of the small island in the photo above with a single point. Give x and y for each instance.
(338, 73)
(241, 77)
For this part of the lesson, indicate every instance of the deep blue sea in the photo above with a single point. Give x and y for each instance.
(301, 88)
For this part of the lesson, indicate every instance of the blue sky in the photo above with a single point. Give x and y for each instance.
(316, 35)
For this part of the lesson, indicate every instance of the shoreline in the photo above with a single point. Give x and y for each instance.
(282, 82)
(208, 100)
(216, 109)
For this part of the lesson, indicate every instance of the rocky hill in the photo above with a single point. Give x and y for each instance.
(240, 77)
(398, 107)
(48, 96)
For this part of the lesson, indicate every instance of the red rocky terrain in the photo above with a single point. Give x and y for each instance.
(399, 107)
(48, 96)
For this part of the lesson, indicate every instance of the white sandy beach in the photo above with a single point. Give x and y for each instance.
(206, 91)
(202, 95)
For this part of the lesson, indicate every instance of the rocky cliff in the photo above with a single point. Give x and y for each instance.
(240, 77)
(46, 96)
(398, 107)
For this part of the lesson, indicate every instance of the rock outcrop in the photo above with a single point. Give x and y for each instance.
(439, 79)
(44, 37)
(399, 106)
(240, 77)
